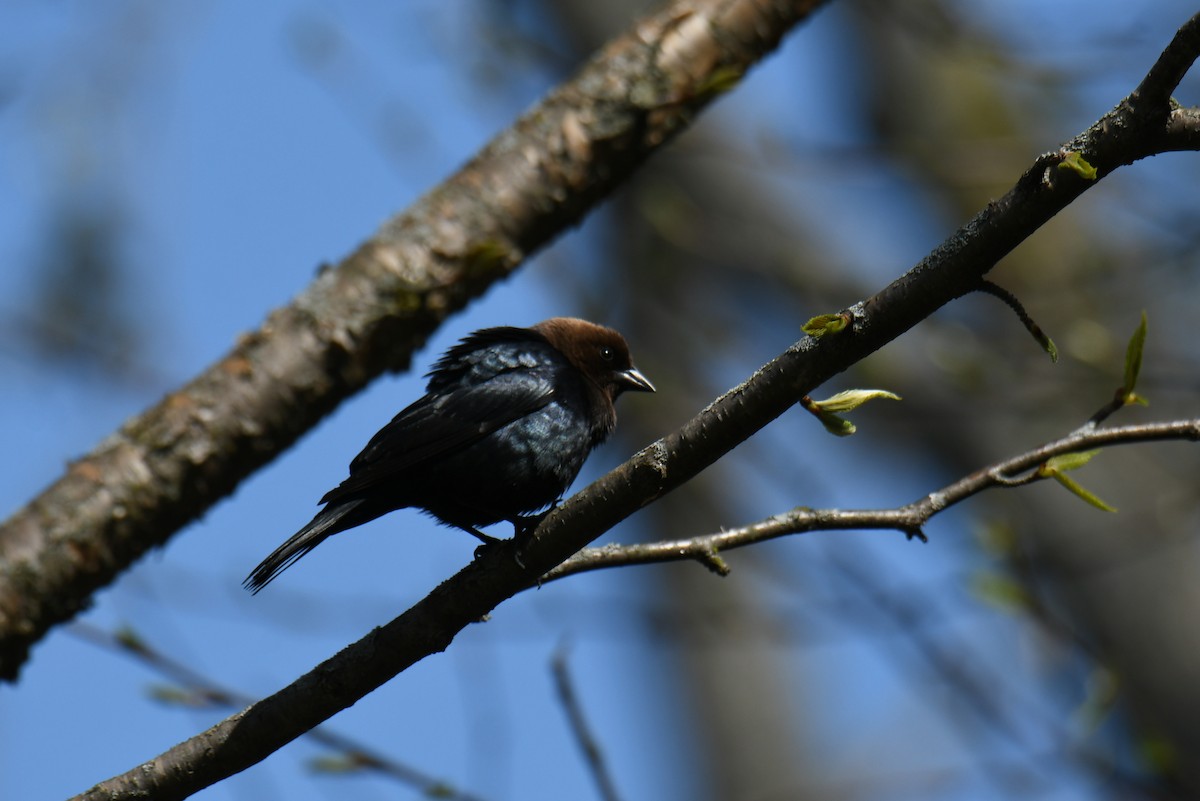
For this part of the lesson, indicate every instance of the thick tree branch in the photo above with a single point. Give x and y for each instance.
(910, 519)
(163, 468)
(1126, 134)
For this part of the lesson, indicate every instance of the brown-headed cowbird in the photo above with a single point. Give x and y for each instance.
(507, 420)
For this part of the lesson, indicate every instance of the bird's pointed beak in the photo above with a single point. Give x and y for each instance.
(634, 380)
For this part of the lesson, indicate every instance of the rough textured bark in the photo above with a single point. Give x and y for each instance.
(163, 468)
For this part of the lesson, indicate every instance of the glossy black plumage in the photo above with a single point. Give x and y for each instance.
(508, 418)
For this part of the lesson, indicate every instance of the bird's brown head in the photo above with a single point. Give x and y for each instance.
(600, 353)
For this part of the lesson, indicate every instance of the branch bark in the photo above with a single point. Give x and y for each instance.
(163, 468)
(1131, 131)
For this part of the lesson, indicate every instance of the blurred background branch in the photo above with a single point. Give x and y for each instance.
(186, 688)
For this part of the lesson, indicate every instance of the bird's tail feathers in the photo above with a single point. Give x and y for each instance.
(322, 526)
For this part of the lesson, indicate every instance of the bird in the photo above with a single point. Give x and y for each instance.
(508, 417)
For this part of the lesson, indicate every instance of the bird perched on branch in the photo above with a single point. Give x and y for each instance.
(507, 420)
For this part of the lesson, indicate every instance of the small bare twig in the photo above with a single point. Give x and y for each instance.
(911, 519)
(592, 753)
(1018, 308)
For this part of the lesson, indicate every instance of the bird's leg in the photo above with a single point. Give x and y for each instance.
(491, 542)
(523, 528)
(524, 525)
(486, 539)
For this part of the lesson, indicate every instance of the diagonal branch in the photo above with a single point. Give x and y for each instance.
(428, 627)
(909, 519)
(163, 468)
(1175, 61)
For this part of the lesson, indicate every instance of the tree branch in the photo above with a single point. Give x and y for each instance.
(952, 270)
(910, 519)
(163, 468)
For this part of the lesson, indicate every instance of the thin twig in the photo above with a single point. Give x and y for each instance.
(588, 744)
(1018, 308)
(910, 519)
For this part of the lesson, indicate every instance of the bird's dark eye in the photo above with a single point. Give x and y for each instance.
(607, 353)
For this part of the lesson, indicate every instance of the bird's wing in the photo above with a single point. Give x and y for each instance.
(433, 428)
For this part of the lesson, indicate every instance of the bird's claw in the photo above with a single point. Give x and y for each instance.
(524, 525)
(485, 547)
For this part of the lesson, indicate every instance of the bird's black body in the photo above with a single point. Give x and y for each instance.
(508, 418)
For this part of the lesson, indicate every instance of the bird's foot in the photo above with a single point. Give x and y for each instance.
(523, 528)
(493, 543)
(486, 541)
(524, 525)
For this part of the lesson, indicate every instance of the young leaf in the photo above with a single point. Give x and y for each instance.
(1067, 461)
(824, 324)
(1133, 362)
(1077, 164)
(845, 401)
(1056, 467)
(842, 402)
(850, 399)
(1047, 344)
(836, 425)
(1083, 493)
